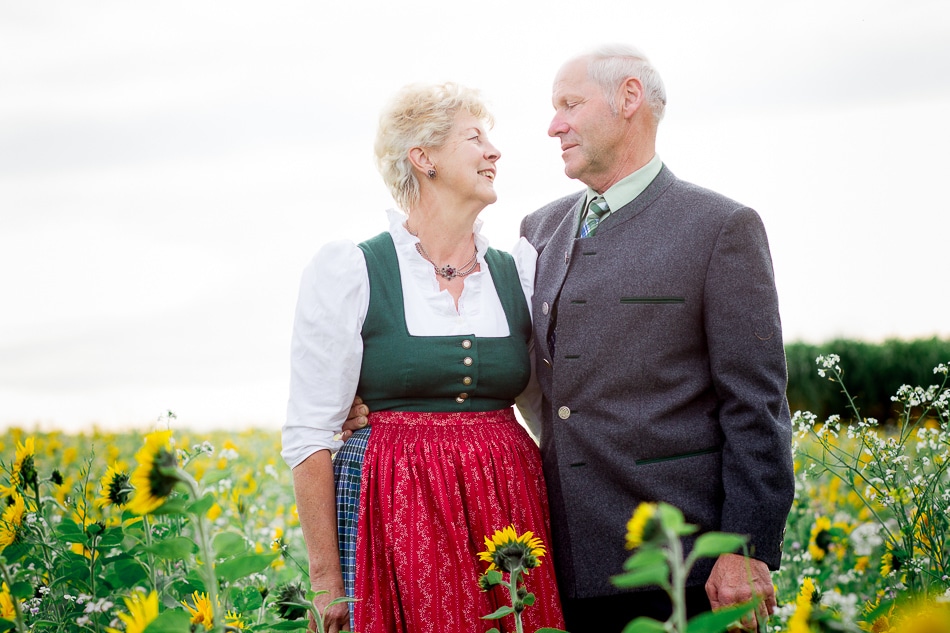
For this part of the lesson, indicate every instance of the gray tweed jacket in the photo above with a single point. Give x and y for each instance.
(666, 379)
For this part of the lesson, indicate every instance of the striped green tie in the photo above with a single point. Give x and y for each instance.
(596, 210)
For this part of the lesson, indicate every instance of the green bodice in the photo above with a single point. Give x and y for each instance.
(401, 372)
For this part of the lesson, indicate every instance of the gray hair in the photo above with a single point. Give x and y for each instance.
(419, 116)
(610, 65)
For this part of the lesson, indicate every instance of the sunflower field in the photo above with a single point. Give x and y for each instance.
(175, 531)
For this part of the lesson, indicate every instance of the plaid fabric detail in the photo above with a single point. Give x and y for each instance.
(597, 210)
(347, 471)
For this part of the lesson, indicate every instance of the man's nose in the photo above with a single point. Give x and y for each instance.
(557, 126)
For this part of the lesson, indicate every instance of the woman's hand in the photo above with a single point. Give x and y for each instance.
(337, 617)
(355, 420)
(316, 506)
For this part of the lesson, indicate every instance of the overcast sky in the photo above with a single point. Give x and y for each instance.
(167, 169)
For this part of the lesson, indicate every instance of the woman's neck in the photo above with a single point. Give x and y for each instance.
(446, 235)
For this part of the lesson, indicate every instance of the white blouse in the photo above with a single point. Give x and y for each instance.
(326, 346)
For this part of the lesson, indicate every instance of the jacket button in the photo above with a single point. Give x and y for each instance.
(546, 361)
(564, 413)
(467, 361)
(545, 308)
(466, 344)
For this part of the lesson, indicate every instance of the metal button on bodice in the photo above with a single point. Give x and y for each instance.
(467, 380)
(467, 361)
(460, 399)
(564, 413)
(466, 344)
(545, 308)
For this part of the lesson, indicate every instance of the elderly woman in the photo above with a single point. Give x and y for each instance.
(431, 327)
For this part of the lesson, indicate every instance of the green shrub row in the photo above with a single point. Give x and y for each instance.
(875, 371)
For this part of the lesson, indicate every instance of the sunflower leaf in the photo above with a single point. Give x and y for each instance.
(644, 557)
(227, 544)
(644, 625)
(652, 575)
(202, 505)
(171, 621)
(713, 544)
(715, 621)
(500, 613)
(175, 548)
(243, 566)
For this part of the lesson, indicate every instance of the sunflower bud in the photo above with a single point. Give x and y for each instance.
(292, 603)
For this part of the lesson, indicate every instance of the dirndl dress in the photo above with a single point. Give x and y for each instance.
(443, 465)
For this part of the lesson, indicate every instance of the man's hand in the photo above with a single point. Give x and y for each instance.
(355, 420)
(736, 579)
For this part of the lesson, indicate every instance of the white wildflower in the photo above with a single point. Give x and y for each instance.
(228, 454)
(865, 538)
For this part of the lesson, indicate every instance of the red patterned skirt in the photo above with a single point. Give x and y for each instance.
(434, 485)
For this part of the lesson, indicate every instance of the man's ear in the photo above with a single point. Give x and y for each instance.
(632, 96)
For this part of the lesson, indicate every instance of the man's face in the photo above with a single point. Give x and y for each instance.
(589, 131)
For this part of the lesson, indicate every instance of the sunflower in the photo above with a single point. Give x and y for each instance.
(154, 478)
(820, 540)
(12, 520)
(202, 612)
(114, 487)
(7, 606)
(24, 466)
(881, 625)
(142, 610)
(642, 525)
(507, 551)
(798, 623)
(234, 620)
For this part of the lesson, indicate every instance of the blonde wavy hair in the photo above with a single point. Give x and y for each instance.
(419, 115)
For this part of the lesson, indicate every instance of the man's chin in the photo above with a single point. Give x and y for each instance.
(571, 171)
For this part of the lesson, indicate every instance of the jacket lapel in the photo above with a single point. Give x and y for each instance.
(553, 264)
(636, 206)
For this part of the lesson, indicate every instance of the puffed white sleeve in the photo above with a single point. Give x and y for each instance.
(326, 350)
(529, 402)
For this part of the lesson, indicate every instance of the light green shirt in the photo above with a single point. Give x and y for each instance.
(625, 191)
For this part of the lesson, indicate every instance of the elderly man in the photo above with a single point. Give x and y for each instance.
(659, 355)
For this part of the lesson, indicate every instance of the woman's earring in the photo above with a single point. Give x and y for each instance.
(431, 174)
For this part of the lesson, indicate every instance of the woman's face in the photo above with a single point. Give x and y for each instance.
(466, 162)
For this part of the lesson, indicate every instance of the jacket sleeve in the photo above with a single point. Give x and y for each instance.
(747, 363)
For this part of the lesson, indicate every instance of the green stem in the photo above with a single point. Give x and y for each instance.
(148, 547)
(8, 579)
(207, 552)
(677, 581)
(93, 545)
(516, 602)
